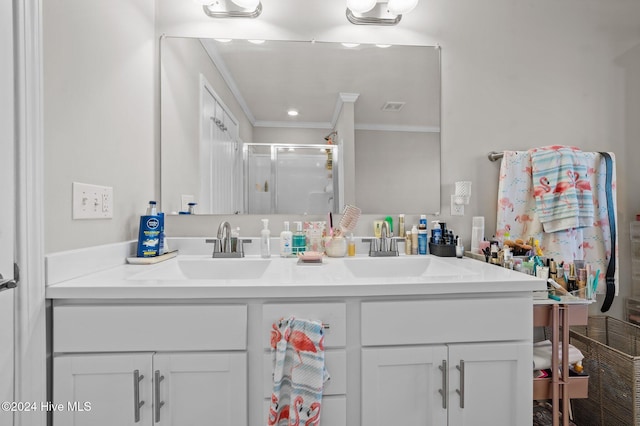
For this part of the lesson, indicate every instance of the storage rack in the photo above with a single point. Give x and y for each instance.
(633, 302)
(558, 317)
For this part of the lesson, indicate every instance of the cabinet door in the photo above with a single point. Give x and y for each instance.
(97, 390)
(200, 388)
(404, 385)
(490, 384)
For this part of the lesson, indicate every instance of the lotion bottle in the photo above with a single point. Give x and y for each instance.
(286, 238)
(414, 240)
(265, 236)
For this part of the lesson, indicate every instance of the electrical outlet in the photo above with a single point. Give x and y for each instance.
(456, 209)
(92, 201)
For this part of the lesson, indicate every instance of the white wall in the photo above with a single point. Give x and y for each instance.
(100, 84)
(516, 74)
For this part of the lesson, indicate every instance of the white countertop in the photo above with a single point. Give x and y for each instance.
(284, 278)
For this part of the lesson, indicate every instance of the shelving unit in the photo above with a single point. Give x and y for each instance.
(633, 302)
(559, 317)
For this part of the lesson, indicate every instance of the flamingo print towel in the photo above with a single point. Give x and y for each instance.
(563, 192)
(519, 214)
(299, 372)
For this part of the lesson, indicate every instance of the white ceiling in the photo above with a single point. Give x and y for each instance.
(273, 77)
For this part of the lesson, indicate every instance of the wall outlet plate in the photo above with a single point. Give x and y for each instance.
(456, 209)
(92, 201)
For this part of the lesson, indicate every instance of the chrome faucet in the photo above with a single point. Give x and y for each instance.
(224, 236)
(223, 246)
(386, 245)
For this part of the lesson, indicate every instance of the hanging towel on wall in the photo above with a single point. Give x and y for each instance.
(566, 200)
(518, 214)
(299, 372)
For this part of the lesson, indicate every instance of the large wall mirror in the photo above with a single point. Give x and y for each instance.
(369, 113)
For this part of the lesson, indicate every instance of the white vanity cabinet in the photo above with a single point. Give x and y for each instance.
(150, 364)
(467, 363)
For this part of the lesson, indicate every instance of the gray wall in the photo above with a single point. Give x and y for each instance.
(515, 75)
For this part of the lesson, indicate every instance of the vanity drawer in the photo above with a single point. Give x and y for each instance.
(111, 328)
(335, 361)
(446, 321)
(332, 314)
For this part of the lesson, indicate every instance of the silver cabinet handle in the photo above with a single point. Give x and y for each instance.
(445, 383)
(137, 377)
(461, 390)
(157, 378)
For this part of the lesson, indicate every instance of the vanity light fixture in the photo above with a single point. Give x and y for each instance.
(232, 8)
(379, 12)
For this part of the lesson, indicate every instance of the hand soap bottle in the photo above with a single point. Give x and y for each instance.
(299, 240)
(265, 236)
(286, 238)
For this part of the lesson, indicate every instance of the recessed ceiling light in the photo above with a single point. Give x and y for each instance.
(292, 112)
(256, 41)
(223, 40)
(383, 46)
(350, 45)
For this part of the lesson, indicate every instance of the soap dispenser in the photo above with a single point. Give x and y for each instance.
(286, 238)
(265, 236)
(299, 241)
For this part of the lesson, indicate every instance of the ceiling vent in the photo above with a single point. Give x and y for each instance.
(393, 106)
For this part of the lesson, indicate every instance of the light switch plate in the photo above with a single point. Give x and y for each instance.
(92, 201)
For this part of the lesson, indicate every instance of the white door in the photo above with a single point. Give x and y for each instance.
(220, 156)
(7, 212)
(118, 388)
(200, 388)
(490, 384)
(404, 386)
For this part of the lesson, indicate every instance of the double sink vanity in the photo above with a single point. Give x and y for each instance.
(409, 339)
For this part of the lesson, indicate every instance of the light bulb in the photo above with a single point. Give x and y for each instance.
(247, 4)
(361, 6)
(400, 7)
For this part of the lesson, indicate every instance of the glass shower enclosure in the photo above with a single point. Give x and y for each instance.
(291, 178)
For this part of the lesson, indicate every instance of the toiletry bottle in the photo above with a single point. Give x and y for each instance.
(265, 236)
(351, 246)
(414, 240)
(401, 230)
(192, 208)
(149, 233)
(436, 233)
(286, 238)
(407, 242)
(422, 235)
(459, 248)
(163, 238)
(299, 240)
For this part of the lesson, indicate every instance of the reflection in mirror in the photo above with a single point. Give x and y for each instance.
(380, 104)
(290, 178)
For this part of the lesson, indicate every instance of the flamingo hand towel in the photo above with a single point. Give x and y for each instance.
(563, 198)
(299, 372)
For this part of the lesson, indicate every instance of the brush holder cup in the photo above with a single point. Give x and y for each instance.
(335, 246)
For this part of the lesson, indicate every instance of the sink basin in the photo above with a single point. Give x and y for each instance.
(206, 268)
(411, 266)
(223, 269)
